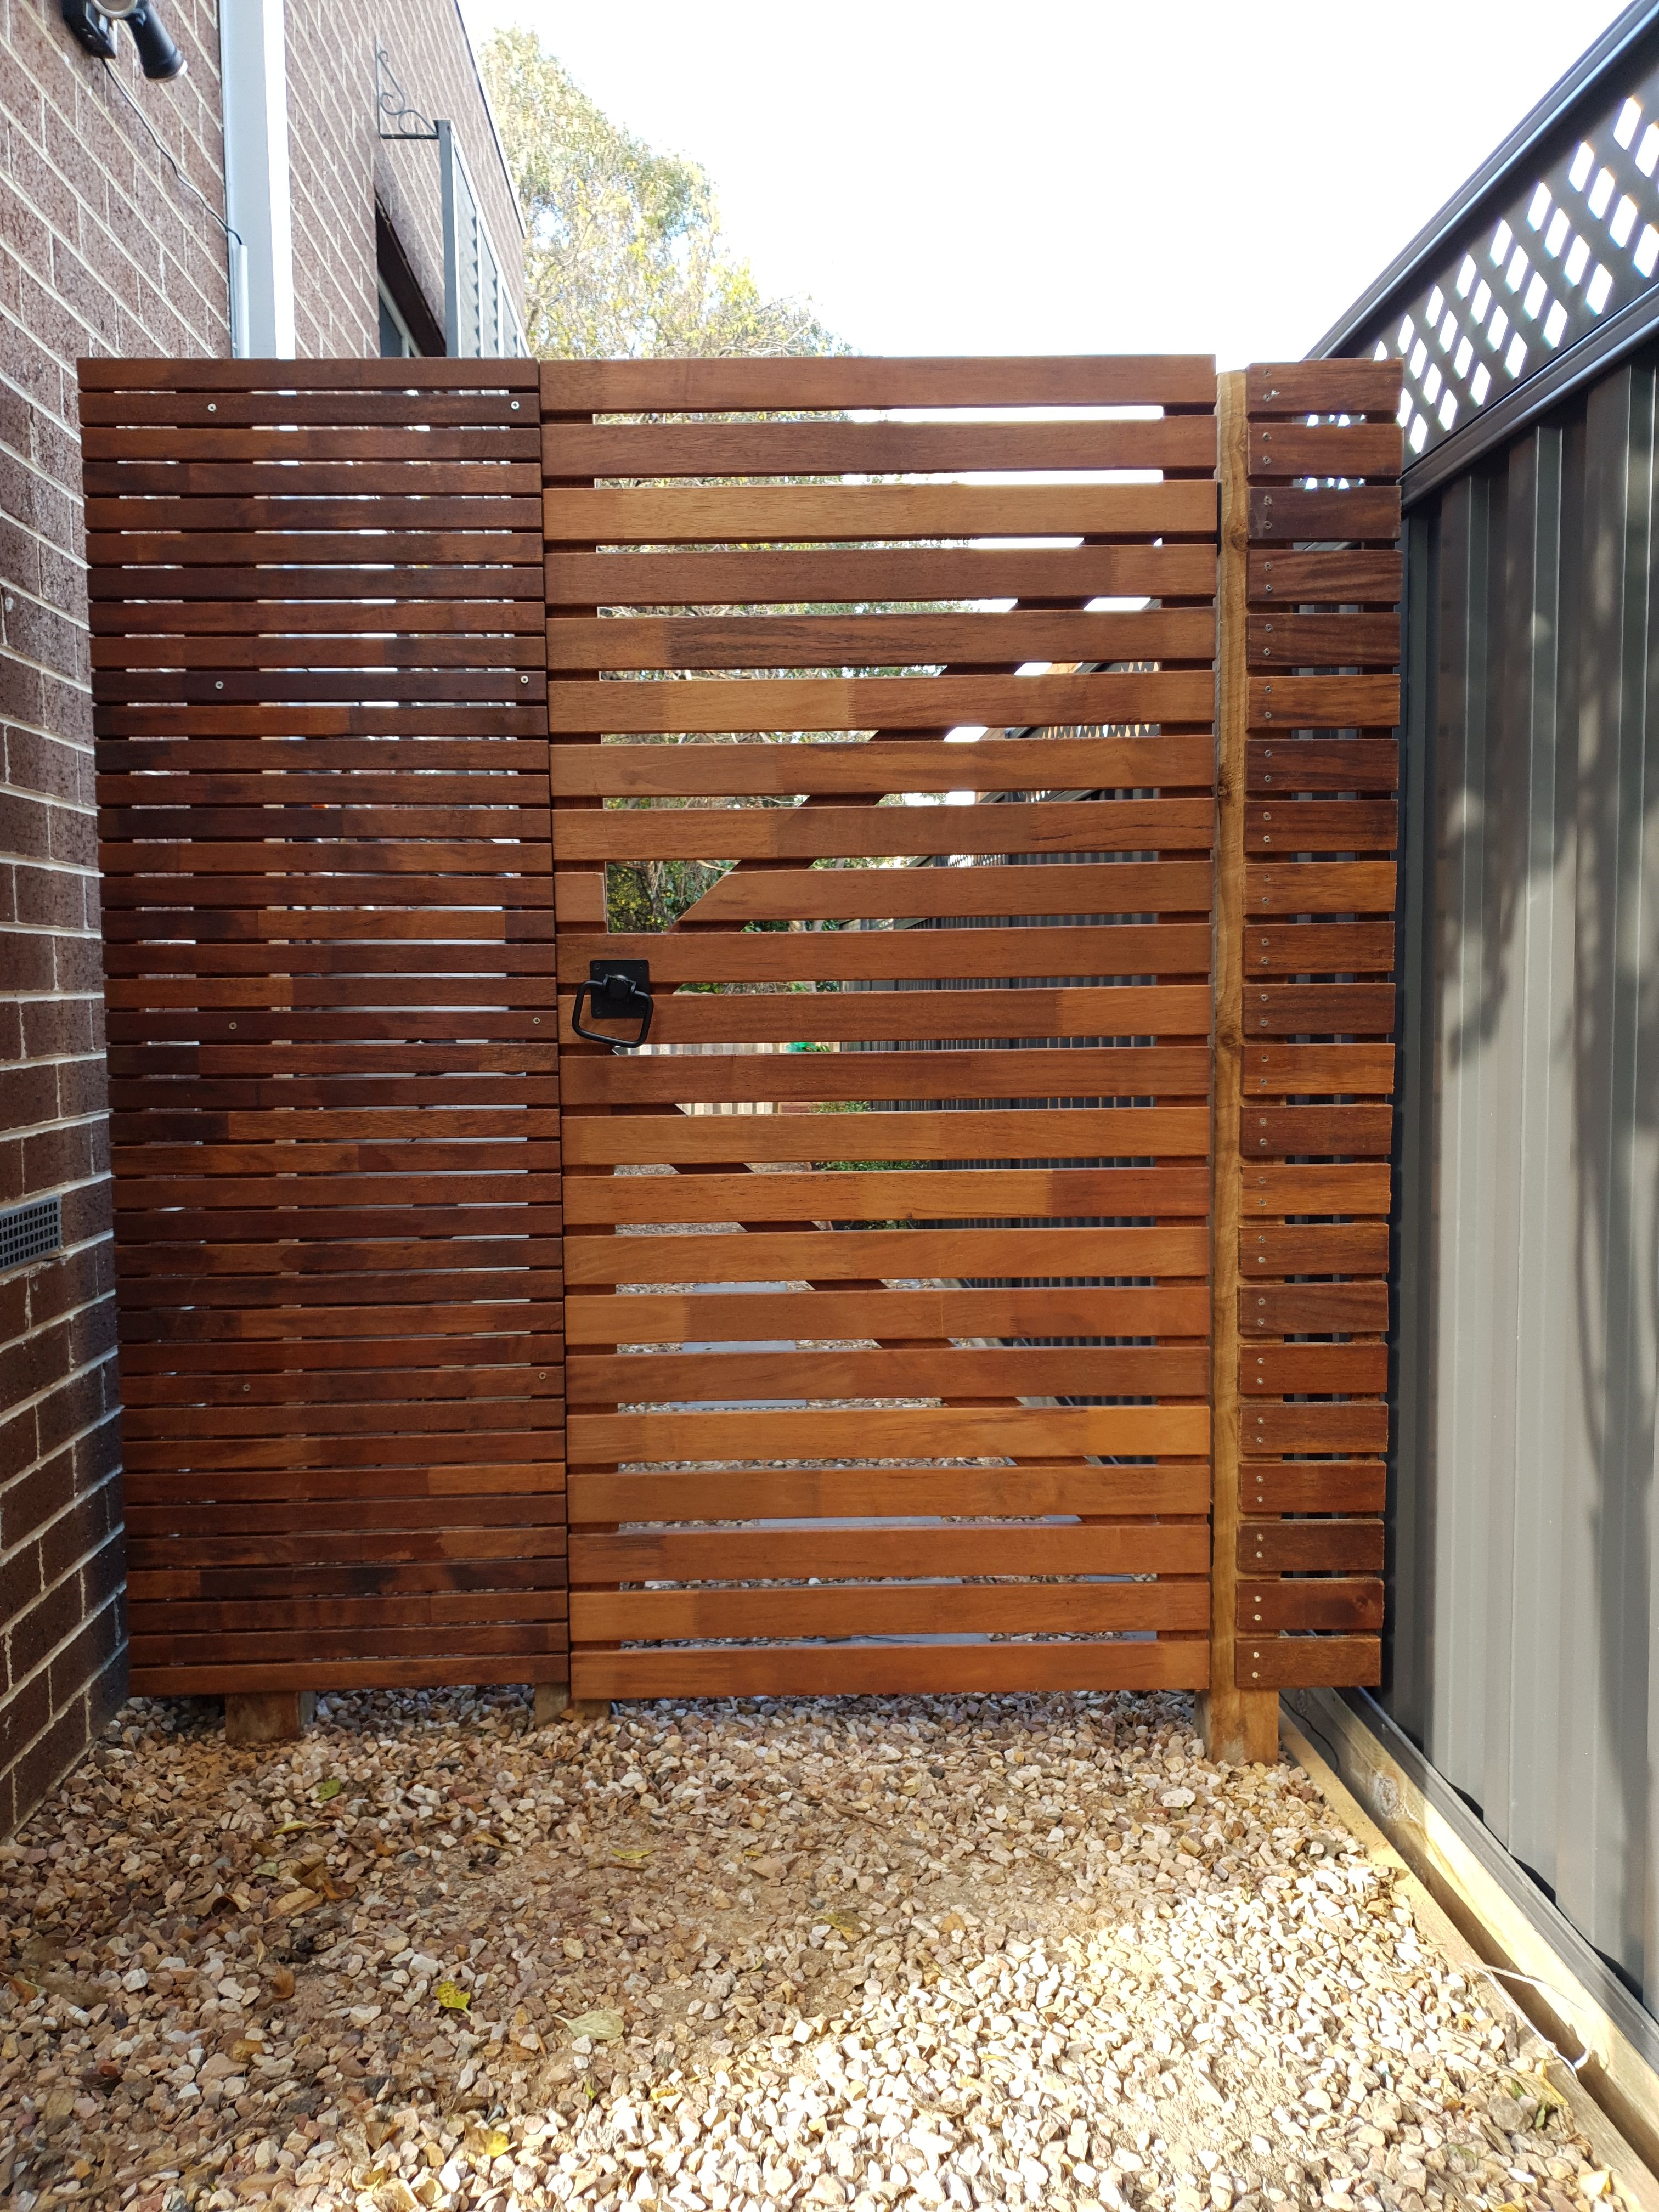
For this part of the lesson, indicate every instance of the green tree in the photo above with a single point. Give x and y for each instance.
(625, 256)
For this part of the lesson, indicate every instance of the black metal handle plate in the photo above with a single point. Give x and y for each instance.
(618, 991)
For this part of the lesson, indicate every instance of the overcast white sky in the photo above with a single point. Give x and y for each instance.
(1067, 177)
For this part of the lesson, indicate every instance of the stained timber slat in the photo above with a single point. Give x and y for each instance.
(876, 640)
(739, 956)
(826, 832)
(900, 1668)
(1004, 1548)
(1116, 1371)
(922, 1193)
(652, 1616)
(893, 573)
(1170, 380)
(656, 450)
(709, 703)
(860, 1254)
(721, 1078)
(1165, 1309)
(947, 1432)
(1034, 1133)
(621, 771)
(836, 1492)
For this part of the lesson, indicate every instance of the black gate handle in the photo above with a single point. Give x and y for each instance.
(619, 990)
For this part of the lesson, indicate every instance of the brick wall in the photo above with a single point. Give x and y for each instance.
(102, 251)
(340, 165)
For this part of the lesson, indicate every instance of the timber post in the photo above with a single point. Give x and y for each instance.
(1238, 1725)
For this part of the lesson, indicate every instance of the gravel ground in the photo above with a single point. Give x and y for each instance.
(1021, 1951)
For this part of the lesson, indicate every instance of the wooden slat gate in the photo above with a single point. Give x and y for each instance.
(892, 1340)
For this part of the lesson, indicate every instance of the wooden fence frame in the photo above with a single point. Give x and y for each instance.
(1310, 457)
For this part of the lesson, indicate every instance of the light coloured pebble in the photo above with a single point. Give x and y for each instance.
(932, 1952)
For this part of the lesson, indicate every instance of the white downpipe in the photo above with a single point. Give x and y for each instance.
(254, 63)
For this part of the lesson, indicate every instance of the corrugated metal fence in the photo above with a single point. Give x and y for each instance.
(1528, 1268)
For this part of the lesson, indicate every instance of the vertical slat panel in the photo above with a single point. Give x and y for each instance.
(1321, 785)
(319, 690)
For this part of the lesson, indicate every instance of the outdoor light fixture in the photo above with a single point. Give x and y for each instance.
(93, 24)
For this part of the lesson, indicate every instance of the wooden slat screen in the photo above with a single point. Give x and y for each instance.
(1320, 831)
(824, 1436)
(320, 709)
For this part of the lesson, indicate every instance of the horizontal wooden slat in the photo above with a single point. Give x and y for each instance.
(835, 1550)
(1357, 1131)
(1337, 386)
(668, 387)
(1322, 1547)
(1101, 1371)
(1319, 887)
(881, 894)
(1310, 1069)
(125, 544)
(1369, 514)
(147, 518)
(1280, 450)
(835, 1492)
(889, 1316)
(1317, 1009)
(1308, 1188)
(1070, 1608)
(711, 703)
(991, 764)
(1348, 1486)
(1304, 1662)
(759, 1016)
(916, 1194)
(1331, 576)
(825, 832)
(843, 1670)
(209, 441)
(1330, 703)
(876, 641)
(651, 451)
(1360, 1426)
(1318, 948)
(225, 1678)
(903, 1431)
(579, 581)
(1314, 1308)
(1355, 1248)
(1173, 1250)
(1041, 1134)
(1287, 638)
(1326, 1602)
(1320, 1369)
(595, 1080)
(835, 513)
(861, 955)
(294, 379)
(389, 408)
(1286, 764)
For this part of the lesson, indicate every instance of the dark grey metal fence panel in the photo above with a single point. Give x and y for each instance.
(1523, 1575)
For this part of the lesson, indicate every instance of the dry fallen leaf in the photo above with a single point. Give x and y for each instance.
(486, 2142)
(845, 1922)
(295, 1900)
(281, 1984)
(600, 2026)
(451, 1996)
(630, 1854)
